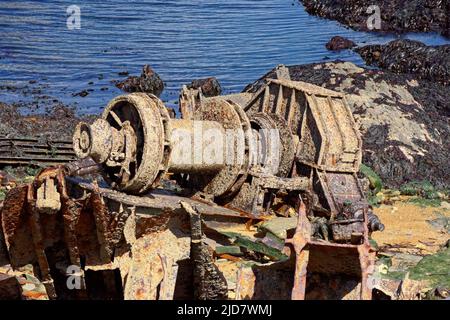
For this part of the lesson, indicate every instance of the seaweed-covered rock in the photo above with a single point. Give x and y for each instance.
(58, 122)
(404, 120)
(149, 81)
(407, 56)
(396, 15)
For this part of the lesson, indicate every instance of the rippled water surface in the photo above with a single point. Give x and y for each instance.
(235, 40)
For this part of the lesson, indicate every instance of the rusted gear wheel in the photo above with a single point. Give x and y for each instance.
(245, 168)
(150, 121)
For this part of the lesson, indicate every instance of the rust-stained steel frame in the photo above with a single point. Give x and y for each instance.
(303, 244)
(26, 151)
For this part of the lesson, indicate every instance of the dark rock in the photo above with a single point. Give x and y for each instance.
(151, 82)
(404, 120)
(396, 15)
(339, 43)
(9, 288)
(82, 94)
(130, 84)
(123, 73)
(407, 56)
(148, 82)
(210, 86)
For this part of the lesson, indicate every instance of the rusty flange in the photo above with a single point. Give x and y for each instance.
(149, 120)
(245, 167)
(266, 151)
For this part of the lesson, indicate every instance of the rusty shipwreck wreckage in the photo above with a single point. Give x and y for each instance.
(155, 228)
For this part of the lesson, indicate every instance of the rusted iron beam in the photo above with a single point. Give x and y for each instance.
(209, 282)
(162, 202)
(299, 242)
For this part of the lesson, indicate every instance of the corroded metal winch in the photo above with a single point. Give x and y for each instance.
(238, 157)
(288, 130)
(217, 145)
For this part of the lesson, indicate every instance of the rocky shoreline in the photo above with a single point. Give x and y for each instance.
(413, 57)
(57, 123)
(396, 15)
